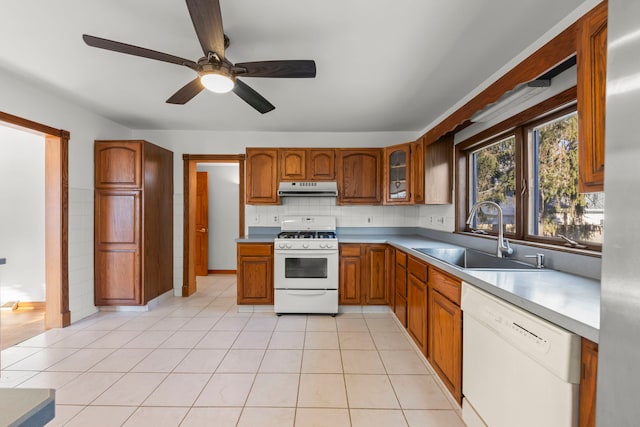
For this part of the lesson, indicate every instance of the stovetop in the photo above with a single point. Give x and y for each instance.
(307, 235)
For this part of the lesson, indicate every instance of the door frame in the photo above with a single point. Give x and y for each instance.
(190, 162)
(56, 153)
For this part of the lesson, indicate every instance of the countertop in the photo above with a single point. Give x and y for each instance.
(567, 300)
(26, 406)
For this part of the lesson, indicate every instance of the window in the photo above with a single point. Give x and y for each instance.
(531, 172)
(557, 208)
(493, 173)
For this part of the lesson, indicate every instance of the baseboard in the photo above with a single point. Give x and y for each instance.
(222, 271)
(24, 305)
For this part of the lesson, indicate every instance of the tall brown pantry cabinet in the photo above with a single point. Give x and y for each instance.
(133, 222)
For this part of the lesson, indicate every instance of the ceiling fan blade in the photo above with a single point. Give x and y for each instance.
(186, 92)
(291, 69)
(207, 21)
(136, 51)
(252, 97)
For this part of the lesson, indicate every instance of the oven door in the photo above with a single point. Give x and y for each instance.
(306, 269)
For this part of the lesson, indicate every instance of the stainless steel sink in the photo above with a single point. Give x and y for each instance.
(475, 260)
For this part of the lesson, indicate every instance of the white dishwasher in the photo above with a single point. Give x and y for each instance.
(518, 369)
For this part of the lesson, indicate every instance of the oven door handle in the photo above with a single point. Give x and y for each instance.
(310, 293)
(309, 253)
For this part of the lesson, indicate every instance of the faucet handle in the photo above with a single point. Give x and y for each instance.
(539, 259)
(507, 247)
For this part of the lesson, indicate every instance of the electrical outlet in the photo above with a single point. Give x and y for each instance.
(256, 219)
(431, 220)
(275, 219)
(440, 220)
(369, 220)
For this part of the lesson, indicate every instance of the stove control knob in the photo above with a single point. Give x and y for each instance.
(288, 245)
(305, 245)
(329, 245)
(281, 245)
(322, 245)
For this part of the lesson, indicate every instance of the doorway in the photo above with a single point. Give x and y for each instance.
(192, 236)
(56, 225)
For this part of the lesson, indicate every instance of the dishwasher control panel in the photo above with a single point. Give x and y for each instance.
(525, 335)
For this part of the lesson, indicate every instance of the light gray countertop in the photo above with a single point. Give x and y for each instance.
(26, 406)
(567, 300)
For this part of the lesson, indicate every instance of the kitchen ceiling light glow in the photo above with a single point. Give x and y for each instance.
(217, 83)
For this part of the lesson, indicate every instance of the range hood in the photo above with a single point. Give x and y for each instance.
(308, 189)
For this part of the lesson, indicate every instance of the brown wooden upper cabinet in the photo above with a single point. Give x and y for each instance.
(262, 176)
(397, 174)
(404, 174)
(118, 165)
(307, 164)
(359, 173)
(592, 80)
(438, 170)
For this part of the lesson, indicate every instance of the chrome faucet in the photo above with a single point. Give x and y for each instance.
(503, 244)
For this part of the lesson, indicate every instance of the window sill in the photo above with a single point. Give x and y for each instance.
(534, 244)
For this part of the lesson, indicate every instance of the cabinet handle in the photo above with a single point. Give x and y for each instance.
(203, 230)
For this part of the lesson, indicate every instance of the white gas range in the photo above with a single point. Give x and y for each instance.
(306, 265)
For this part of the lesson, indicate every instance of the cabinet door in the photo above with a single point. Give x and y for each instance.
(376, 285)
(417, 172)
(350, 274)
(118, 164)
(293, 165)
(417, 311)
(445, 337)
(592, 79)
(117, 248)
(359, 176)
(262, 176)
(588, 376)
(397, 174)
(255, 274)
(438, 170)
(322, 165)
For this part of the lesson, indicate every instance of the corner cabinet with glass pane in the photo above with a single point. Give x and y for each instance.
(397, 174)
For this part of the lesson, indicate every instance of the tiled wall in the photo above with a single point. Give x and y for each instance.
(80, 253)
(346, 216)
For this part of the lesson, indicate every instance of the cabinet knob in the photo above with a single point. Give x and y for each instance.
(203, 230)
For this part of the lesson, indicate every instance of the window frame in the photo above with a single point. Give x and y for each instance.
(519, 126)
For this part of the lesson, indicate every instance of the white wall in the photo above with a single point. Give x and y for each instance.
(22, 213)
(224, 194)
(34, 101)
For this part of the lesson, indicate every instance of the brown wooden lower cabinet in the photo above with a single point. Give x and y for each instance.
(588, 376)
(376, 274)
(417, 311)
(350, 274)
(445, 338)
(255, 273)
(400, 278)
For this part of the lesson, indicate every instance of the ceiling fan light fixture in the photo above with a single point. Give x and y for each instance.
(218, 83)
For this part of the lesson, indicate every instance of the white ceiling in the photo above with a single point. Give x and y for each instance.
(382, 65)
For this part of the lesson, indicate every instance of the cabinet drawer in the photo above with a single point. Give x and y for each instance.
(255, 249)
(401, 258)
(445, 284)
(350, 249)
(417, 268)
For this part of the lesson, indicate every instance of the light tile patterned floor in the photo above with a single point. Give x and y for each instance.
(197, 361)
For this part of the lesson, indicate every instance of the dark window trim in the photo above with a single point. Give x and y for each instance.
(517, 125)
